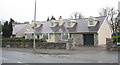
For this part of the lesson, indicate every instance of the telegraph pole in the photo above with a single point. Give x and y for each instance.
(34, 26)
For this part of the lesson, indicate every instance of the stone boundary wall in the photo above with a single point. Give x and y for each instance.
(111, 45)
(39, 45)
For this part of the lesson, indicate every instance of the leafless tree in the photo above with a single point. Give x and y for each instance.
(110, 13)
(117, 23)
(80, 16)
(76, 15)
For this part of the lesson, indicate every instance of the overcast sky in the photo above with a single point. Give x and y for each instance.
(23, 10)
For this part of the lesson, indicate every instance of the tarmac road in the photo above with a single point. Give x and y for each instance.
(10, 56)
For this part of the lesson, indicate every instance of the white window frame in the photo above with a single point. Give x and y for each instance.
(69, 24)
(52, 24)
(48, 36)
(89, 23)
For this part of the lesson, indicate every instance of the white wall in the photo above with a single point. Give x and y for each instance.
(103, 33)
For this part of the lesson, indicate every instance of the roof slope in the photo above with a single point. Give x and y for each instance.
(80, 27)
(18, 27)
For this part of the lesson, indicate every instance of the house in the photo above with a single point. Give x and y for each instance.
(86, 31)
(20, 29)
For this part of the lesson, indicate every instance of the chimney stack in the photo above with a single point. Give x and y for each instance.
(60, 21)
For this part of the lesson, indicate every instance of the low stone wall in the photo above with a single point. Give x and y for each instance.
(40, 45)
(111, 45)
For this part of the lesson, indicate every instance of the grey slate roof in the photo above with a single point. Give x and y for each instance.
(18, 27)
(80, 27)
(30, 31)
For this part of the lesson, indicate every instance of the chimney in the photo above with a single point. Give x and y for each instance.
(60, 21)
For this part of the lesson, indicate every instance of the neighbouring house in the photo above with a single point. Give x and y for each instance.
(85, 31)
(20, 29)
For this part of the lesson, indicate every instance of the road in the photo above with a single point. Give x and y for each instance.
(22, 57)
(9, 56)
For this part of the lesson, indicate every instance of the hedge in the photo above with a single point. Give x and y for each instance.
(116, 37)
(21, 40)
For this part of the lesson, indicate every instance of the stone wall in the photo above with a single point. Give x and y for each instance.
(39, 45)
(95, 39)
(78, 39)
(110, 45)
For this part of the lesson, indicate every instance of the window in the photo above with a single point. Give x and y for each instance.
(45, 35)
(38, 36)
(90, 22)
(68, 23)
(52, 23)
(49, 36)
(65, 36)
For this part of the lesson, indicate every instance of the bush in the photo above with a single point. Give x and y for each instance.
(21, 40)
(116, 37)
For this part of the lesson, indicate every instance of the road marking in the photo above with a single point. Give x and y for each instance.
(3, 59)
(19, 62)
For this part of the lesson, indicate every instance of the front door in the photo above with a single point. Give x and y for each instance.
(88, 39)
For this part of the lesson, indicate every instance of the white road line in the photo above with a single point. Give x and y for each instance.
(3, 59)
(19, 62)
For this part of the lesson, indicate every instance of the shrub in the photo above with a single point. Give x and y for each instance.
(116, 37)
(21, 40)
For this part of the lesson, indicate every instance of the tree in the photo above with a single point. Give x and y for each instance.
(48, 19)
(110, 13)
(80, 16)
(10, 27)
(52, 18)
(7, 28)
(0, 30)
(117, 23)
(76, 15)
(12, 20)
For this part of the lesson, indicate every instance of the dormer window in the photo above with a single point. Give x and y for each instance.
(37, 25)
(68, 23)
(90, 22)
(52, 23)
